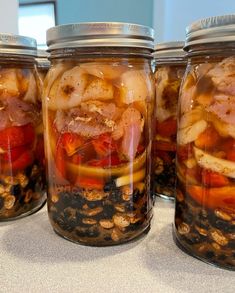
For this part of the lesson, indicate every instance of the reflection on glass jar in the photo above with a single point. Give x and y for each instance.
(43, 64)
(170, 68)
(22, 182)
(98, 110)
(205, 203)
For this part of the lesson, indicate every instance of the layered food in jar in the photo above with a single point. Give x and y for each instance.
(98, 116)
(205, 205)
(168, 80)
(22, 179)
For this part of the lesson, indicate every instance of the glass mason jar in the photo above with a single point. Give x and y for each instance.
(43, 64)
(98, 107)
(205, 202)
(169, 70)
(22, 180)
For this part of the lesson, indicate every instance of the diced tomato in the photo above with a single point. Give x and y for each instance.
(104, 145)
(213, 179)
(208, 139)
(165, 146)
(12, 154)
(39, 151)
(112, 160)
(71, 142)
(184, 152)
(167, 128)
(222, 197)
(90, 183)
(23, 161)
(17, 136)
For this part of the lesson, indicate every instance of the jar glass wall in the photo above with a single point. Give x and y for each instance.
(98, 110)
(22, 179)
(170, 68)
(205, 202)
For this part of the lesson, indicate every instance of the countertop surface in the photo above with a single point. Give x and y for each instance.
(34, 259)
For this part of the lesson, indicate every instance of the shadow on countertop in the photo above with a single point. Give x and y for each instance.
(34, 240)
(180, 271)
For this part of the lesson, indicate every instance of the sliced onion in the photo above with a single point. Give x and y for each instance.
(100, 172)
(207, 161)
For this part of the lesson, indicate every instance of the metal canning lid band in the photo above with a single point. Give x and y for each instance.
(100, 34)
(211, 30)
(169, 50)
(18, 45)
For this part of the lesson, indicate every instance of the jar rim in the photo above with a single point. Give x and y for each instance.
(100, 34)
(211, 30)
(169, 50)
(17, 45)
(42, 59)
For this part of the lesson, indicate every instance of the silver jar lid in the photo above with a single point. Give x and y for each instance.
(42, 59)
(211, 30)
(17, 45)
(100, 34)
(172, 50)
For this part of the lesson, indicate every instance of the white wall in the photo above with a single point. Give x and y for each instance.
(9, 16)
(177, 14)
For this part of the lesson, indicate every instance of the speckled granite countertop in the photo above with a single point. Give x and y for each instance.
(34, 259)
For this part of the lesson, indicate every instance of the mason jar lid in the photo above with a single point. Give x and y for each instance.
(17, 45)
(169, 50)
(42, 59)
(100, 34)
(211, 30)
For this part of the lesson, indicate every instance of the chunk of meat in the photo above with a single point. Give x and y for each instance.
(108, 110)
(31, 93)
(15, 112)
(223, 76)
(224, 108)
(167, 92)
(104, 71)
(129, 129)
(83, 123)
(9, 83)
(75, 86)
(135, 86)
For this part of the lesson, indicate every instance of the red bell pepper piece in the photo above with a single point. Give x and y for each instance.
(71, 142)
(208, 139)
(167, 128)
(23, 161)
(223, 197)
(165, 146)
(90, 183)
(12, 154)
(213, 179)
(17, 136)
(104, 145)
(76, 159)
